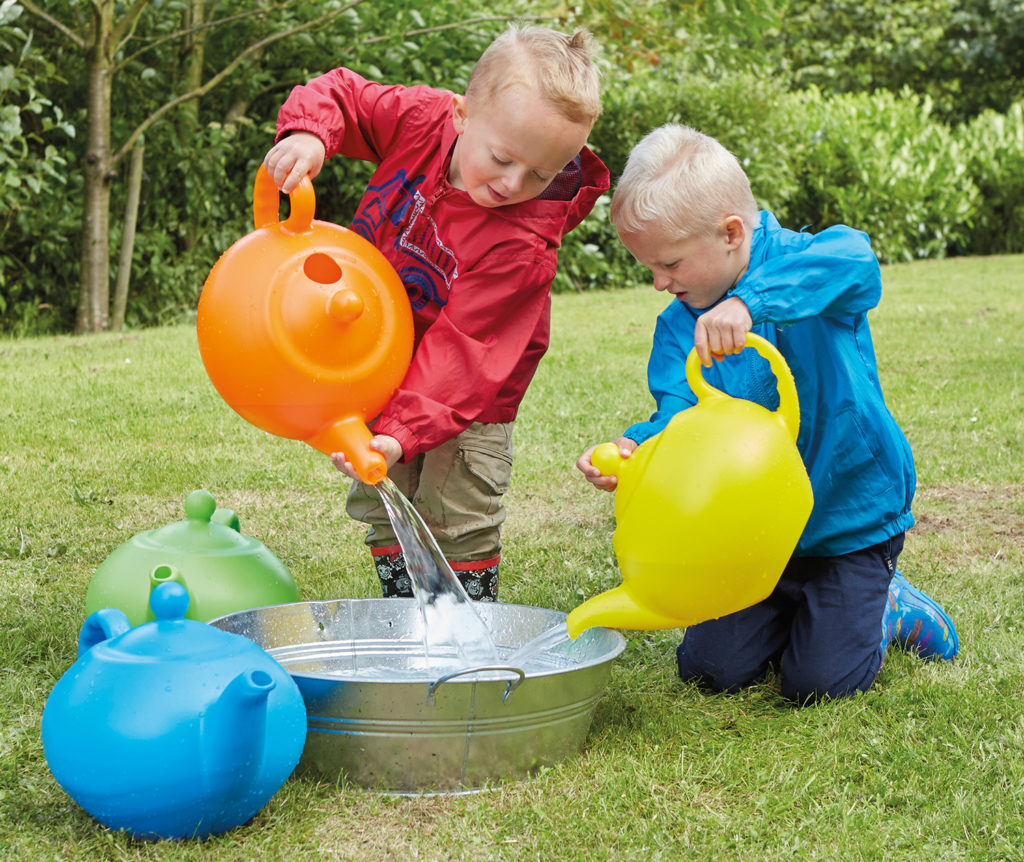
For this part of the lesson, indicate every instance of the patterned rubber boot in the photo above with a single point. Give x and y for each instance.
(917, 623)
(480, 584)
(394, 579)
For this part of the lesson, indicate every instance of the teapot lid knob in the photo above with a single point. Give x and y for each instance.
(200, 506)
(169, 601)
(607, 459)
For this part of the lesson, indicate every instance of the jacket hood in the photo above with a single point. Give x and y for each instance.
(553, 219)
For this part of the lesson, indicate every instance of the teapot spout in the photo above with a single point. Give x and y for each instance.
(234, 733)
(618, 610)
(164, 574)
(351, 436)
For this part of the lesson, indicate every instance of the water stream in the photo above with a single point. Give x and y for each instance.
(544, 642)
(449, 618)
(455, 637)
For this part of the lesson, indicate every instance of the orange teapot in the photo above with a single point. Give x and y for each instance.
(305, 328)
(708, 512)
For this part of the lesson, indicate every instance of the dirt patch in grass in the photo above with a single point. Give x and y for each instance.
(389, 829)
(996, 510)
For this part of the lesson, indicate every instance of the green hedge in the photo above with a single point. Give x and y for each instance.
(40, 200)
(880, 162)
(994, 144)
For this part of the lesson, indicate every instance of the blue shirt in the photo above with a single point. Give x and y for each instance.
(808, 294)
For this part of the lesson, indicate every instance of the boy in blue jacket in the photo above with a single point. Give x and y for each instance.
(684, 209)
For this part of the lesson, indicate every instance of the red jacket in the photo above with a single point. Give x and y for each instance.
(478, 279)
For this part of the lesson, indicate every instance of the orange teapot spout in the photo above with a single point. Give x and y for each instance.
(305, 329)
(708, 512)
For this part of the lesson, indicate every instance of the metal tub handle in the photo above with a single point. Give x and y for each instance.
(510, 685)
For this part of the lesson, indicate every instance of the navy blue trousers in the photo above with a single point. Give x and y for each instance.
(821, 626)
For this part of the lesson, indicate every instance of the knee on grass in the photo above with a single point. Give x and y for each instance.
(712, 675)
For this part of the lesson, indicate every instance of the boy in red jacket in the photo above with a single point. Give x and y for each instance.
(469, 202)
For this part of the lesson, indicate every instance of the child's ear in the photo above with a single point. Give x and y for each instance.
(735, 231)
(459, 113)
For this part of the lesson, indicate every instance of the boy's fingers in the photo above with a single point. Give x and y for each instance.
(293, 178)
(739, 338)
(700, 343)
(341, 462)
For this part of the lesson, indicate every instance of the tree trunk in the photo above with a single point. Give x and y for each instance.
(192, 79)
(131, 214)
(94, 289)
(192, 66)
(106, 36)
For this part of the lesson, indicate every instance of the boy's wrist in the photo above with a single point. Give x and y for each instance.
(750, 299)
(406, 440)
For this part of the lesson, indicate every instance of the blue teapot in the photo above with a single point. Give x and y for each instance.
(172, 729)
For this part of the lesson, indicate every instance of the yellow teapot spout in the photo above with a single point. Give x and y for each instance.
(616, 609)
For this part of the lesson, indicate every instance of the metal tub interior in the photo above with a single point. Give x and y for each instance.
(429, 734)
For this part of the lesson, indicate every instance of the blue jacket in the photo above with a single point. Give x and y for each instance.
(808, 294)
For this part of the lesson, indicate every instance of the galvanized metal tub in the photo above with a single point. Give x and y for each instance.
(414, 734)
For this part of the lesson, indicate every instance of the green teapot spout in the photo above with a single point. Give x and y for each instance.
(618, 610)
(164, 574)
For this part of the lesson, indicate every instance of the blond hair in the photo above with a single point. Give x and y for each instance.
(560, 68)
(683, 180)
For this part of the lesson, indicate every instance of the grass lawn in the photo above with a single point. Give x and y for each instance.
(104, 436)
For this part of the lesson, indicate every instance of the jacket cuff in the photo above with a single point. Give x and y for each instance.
(393, 428)
(754, 303)
(321, 131)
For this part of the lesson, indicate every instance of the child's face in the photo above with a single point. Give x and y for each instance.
(697, 270)
(511, 147)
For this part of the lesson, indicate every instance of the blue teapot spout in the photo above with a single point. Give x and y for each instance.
(234, 731)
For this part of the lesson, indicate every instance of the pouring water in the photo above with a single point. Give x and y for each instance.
(449, 618)
(546, 641)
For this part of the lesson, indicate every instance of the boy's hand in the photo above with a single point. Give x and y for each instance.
(594, 476)
(389, 447)
(300, 154)
(722, 330)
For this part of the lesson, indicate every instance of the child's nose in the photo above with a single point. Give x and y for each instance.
(514, 180)
(661, 282)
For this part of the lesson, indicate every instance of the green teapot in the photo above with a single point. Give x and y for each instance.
(221, 569)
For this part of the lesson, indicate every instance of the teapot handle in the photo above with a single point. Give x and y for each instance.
(789, 404)
(266, 204)
(102, 625)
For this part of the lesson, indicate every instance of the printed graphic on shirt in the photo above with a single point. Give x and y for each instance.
(432, 267)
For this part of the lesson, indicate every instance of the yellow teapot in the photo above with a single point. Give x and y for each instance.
(708, 512)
